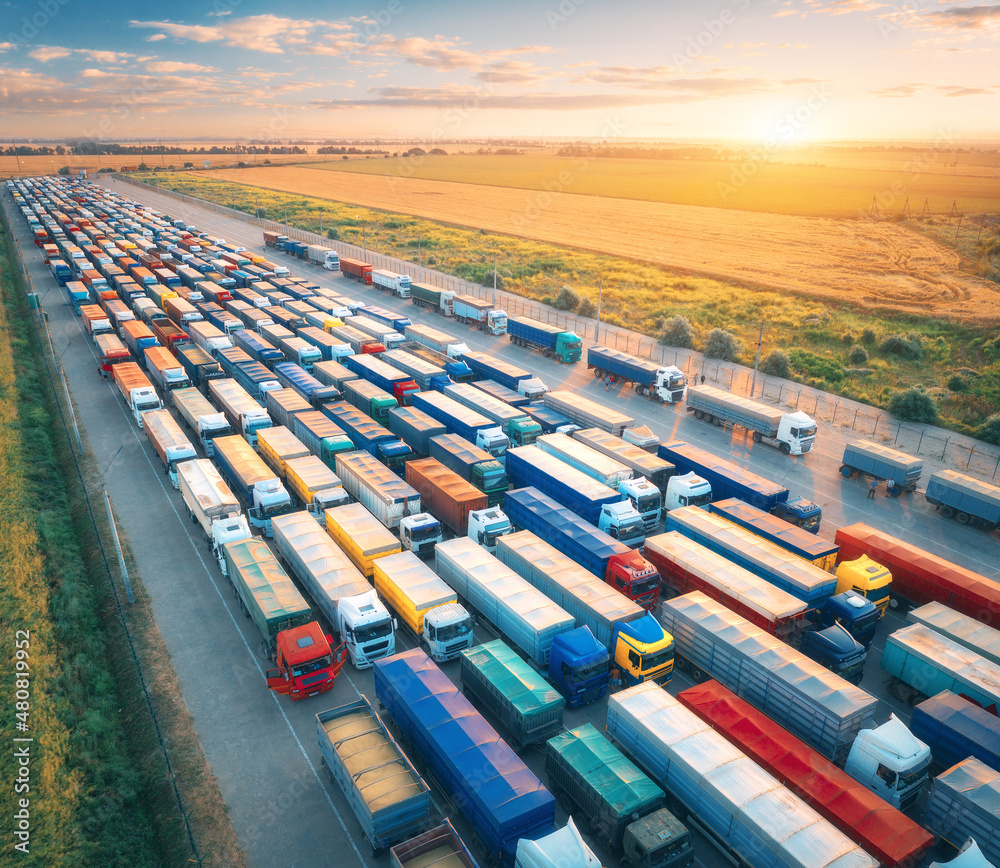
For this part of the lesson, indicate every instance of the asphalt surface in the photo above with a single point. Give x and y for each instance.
(261, 747)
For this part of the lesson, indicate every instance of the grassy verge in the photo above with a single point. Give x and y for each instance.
(958, 364)
(100, 792)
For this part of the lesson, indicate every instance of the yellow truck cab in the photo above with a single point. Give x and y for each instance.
(868, 578)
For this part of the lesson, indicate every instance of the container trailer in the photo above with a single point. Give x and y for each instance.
(244, 414)
(330, 348)
(876, 461)
(965, 499)
(955, 729)
(415, 428)
(440, 300)
(211, 505)
(202, 418)
(483, 314)
(136, 390)
(445, 494)
(365, 433)
(169, 442)
(487, 367)
(459, 419)
(587, 413)
(664, 383)
(323, 257)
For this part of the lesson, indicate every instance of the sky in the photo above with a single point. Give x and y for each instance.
(787, 71)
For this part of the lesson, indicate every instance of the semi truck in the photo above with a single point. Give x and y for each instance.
(292, 376)
(277, 445)
(730, 480)
(459, 419)
(333, 374)
(964, 804)
(202, 418)
(502, 393)
(553, 341)
(138, 393)
(137, 337)
(388, 337)
(367, 434)
(918, 576)
(521, 429)
(965, 499)
(315, 485)
(622, 806)
(587, 413)
(792, 433)
(966, 631)
(337, 588)
(381, 491)
(299, 673)
(378, 372)
(472, 463)
(741, 808)
(445, 493)
(415, 428)
(208, 337)
(199, 366)
(252, 376)
(323, 437)
(552, 422)
(437, 340)
(483, 314)
(588, 498)
(609, 559)
(283, 405)
(427, 607)
(323, 257)
(110, 351)
(357, 340)
(361, 536)
(426, 375)
(462, 751)
(487, 367)
(497, 680)
(258, 348)
(882, 830)
(169, 442)
(330, 348)
(664, 383)
(166, 372)
(252, 481)
(393, 283)
(955, 728)
(440, 300)
(454, 368)
(167, 333)
(639, 647)
(363, 760)
(816, 587)
(657, 470)
(95, 320)
(879, 462)
(211, 505)
(388, 318)
(244, 414)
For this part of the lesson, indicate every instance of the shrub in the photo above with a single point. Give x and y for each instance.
(815, 366)
(261, 212)
(901, 345)
(858, 355)
(722, 345)
(868, 336)
(567, 299)
(957, 384)
(847, 338)
(677, 332)
(914, 405)
(990, 430)
(777, 364)
(189, 165)
(333, 233)
(587, 308)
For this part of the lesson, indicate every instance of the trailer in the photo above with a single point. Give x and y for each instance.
(415, 428)
(95, 320)
(520, 428)
(322, 436)
(169, 442)
(315, 485)
(283, 405)
(968, 632)
(211, 505)
(258, 348)
(879, 462)
(955, 729)
(333, 374)
(436, 340)
(252, 376)
(357, 340)
(138, 392)
(199, 366)
(516, 379)
(396, 284)
(252, 481)
(551, 421)
(165, 371)
(438, 845)
(456, 369)
(473, 464)
(202, 418)
(965, 803)
(378, 372)
(387, 318)
(485, 315)
(381, 491)
(361, 536)
(642, 464)
(494, 390)
(553, 341)
(323, 257)
(965, 499)
(330, 348)
(363, 760)
(666, 384)
(277, 445)
(459, 419)
(440, 300)
(365, 433)
(587, 413)
(242, 412)
(137, 337)
(388, 337)
(167, 333)
(426, 375)
(292, 376)
(370, 399)
(110, 351)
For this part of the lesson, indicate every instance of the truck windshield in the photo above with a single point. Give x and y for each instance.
(147, 404)
(311, 666)
(648, 503)
(585, 673)
(697, 499)
(641, 587)
(909, 777)
(454, 631)
(493, 531)
(655, 661)
(422, 533)
(865, 623)
(495, 481)
(378, 630)
(807, 431)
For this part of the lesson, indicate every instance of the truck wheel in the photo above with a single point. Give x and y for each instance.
(845, 471)
(962, 517)
(785, 448)
(902, 692)
(896, 491)
(947, 512)
(699, 414)
(757, 437)
(697, 676)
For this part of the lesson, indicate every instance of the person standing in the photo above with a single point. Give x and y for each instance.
(616, 678)
(872, 488)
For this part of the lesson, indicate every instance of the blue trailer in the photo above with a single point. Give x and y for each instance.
(222, 319)
(965, 499)
(730, 480)
(199, 366)
(326, 343)
(367, 434)
(425, 374)
(387, 318)
(292, 376)
(258, 348)
(502, 393)
(397, 383)
(668, 385)
(488, 367)
(454, 368)
(78, 294)
(494, 789)
(551, 340)
(251, 375)
(458, 419)
(550, 420)
(956, 729)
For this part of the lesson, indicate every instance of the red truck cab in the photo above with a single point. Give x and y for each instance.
(635, 577)
(306, 664)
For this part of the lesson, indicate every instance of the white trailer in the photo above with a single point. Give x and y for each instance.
(212, 505)
(396, 284)
(324, 257)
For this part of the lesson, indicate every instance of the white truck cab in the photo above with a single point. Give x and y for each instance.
(364, 624)
(797, 431)
(328, 498)
(564, 848)
(447, 631)
(622, 522)
(891, 762)
(226, 530)
(532, 388)
(645, 498)
(420, 533)
(641, 436)
(688, 489)
(488, 525)
(270, 498)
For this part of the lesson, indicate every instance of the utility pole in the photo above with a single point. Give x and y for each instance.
(494, 280)
(756, 361)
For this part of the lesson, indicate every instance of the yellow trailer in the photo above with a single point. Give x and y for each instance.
(363, 537)
(316, 486)
(277, 446)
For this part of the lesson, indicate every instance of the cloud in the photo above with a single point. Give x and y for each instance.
(968, 16)
(269, 34)
(900, 90)
(966, 90)
(750, 46)
(6, 46)
(45, 53)
(156, 37)
(514, 72)
(955, 24)
(784, 13)
(177, 66)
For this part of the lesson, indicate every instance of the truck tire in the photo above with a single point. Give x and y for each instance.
(895, 491)
(758, 437)
(902, 692)
(699, 414)
(845, 471)
(710, 418)
(947, 512)
(962, 517)
(786, 449)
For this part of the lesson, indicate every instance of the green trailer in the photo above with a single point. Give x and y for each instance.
(498, 680)
(441, 300)
(264, 590)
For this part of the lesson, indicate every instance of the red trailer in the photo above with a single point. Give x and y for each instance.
(919, 577)
(444, 493)
(167, 333)
(886, 833)
(360, 271)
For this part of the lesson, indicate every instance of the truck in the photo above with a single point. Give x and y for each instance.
(816, 587)
(472, 463)
(357, 340)
(273, 239)
(966, 631)
(137, 337)
(278, 445)
(426, 375)
(250, 375)
(387, 318)
(497, 680)
(138, 392)
(168, 333)
(440, 844)
(965, 804)
(619, 566)
(657, 470)
(297, 350)
(375, 486)
(792, 433)
(202, 418)
(337, 588)
(388, 337)
(181, 312)
(305, 663)
(110, 352)
(467, 423)
(553, 341)
(735, 802)
(208, 337)
(324, 257)
(169, 442)
(622, 806)
(456, 369)
(361, 536)
(502, 393)
(664, 383)
(563, 847)
(587, 413)
(588, 498)
(244, 414)
(728, 479)
(397, 383)
(430, 712)
(882, 830)
(445, 493)
(829, 714)
(258, 348)
(415, 428)
(363, 760)
(552, 422)
(875, 461)
(211, 505)
(333, 374)
(95, 320)
(516, 379)
(76, 291)
(521, 429)
(918, 576)
(922, 663)
(965, 499)
(644, 497)
(322, 436)
(293, 376)
(199, 366)
(166, 372)
(956, 729)
(638, 645)
(427, 607)
(330, 348)
(483, 314)
(395, 284)
(252, 481)
(315, 485)
(440, 300)
(437, 340)
(367, 434)
(283, 405)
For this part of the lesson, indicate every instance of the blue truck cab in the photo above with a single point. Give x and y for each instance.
(837, 650)
(578, 667)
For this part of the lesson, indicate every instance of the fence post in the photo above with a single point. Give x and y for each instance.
(878, 419)
(972, 452)
(836, 407)
(895, 439)
(921, 440)
(944, 451)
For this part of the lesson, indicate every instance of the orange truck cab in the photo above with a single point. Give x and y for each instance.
(306, 663)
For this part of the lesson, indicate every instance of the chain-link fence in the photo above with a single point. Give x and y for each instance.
(954, 450)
